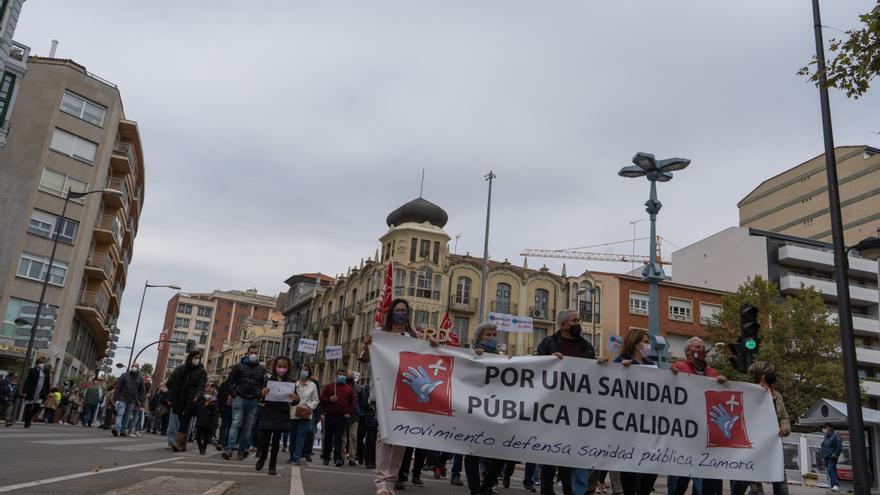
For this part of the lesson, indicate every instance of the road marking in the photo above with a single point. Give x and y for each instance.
(37, 435)
(81, 441)
(137, 447)
(296, 482)
(222, 488)
(340, 472)
(46, 481)
(199, 471)
(219, 464)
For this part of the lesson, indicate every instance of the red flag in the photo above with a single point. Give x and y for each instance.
(385, 297)
(446, 324)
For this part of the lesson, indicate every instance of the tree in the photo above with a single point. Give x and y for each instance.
(856, 60)
(796, 337)
(147, 369)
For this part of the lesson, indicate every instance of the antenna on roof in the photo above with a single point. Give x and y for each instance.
(422, 187)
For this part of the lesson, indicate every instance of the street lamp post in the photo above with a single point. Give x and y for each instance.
(484, 279)
(138, 323)
(71, 194)
(645, 165)
(861, 477)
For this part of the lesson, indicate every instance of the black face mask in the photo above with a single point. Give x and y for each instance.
(575, 330)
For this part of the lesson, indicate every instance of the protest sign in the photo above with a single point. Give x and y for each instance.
(279, 391)
(357, 376)
(332, 352)
(572, 412)
(307, 346)
(511, 323)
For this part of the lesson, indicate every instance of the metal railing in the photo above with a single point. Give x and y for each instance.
(119, 185)
(95, 300)
(127, 149)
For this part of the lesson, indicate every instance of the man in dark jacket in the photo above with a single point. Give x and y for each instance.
(337, 400)
(91, 400)
(246, 380)
(36, 388)
(567, 341)
(832, 447)
(224, 404)
(129, 391)
(367, 427)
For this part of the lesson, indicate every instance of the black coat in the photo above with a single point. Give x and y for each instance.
(30, 385)
(186, 385)
(552, 344)
(223, 395)
(275, 415)
(208, 413)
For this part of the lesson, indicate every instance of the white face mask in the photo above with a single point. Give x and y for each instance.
(40, 365)
(196, 361)
(253, 358)
(208, 396)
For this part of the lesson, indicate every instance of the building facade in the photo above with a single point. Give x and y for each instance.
(13, 64)
(795, 202)
(265, 334)
(73, 136)
(210, 319)
(727, 259)
(297, 310)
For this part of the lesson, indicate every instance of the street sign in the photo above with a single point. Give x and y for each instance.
(41, 333)
(45, 321)
(31, 309)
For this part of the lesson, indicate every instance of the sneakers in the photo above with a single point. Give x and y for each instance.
(242, 455)
(272, 471)
(529, 486)
(351, 462)
(339, 463)
(308, 458)
(835, 488)
(326, 462)
(122, 434)
(417, 480)
(456, 480)
(227, 454)
(114, 432)
(202, 451)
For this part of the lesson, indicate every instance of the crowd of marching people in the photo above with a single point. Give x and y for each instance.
(238, 417)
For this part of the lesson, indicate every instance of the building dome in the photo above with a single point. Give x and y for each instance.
(418, 210)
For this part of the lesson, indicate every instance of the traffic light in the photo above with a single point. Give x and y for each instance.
(748, 327)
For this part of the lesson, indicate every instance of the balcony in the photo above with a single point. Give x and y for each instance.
(820, 259)
(868, 355)
(348, 313)
(511, 309)
(871, 387)
(92, 307)
(112, 199)
(18, 55)
(864, 325)
(790, 284)
(465, 305)
(124, 159)
(99, 265)
(539, 313)
(108, 229)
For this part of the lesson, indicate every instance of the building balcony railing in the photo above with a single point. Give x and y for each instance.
(118, 185)
(465, 305)
(791, 282)
(93, 307)
(123, 160)
(100, 265)
(18, 55)
(108, 229)
(348, 313)
(511, 309)
(868, 355)
(871, 387)
(336, 318)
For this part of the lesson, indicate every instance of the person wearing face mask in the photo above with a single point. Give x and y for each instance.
(309, 445)
(566, 342)
(35, 390)
(246, 380)
(275, 416)
(207, 417)
(337, 400)
(831, 449)
(306, 398)
(695, 363)
(129, 390)
(763, 373)
(187, 387)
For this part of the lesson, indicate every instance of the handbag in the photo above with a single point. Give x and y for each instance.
(301, 411)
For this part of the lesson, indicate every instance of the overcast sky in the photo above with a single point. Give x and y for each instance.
(279, 137)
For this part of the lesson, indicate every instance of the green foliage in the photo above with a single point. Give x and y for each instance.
(147, 369)
(795, 336)
(856, 59)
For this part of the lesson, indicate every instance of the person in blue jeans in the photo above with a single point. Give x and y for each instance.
(831, 449)
(246, 380)
(306, 397)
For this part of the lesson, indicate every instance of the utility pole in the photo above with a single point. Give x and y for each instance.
(489, 177)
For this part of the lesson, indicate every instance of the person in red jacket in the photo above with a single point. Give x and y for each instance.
(695, 364)
(337, 401)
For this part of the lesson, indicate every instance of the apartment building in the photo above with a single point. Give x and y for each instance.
(265, 334)
(70, 134)
(13, 64)
(726, 260)
(297, 310)
(795, 202)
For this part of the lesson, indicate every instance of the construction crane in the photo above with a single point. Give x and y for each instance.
(574, 254)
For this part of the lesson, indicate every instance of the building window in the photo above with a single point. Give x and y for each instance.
(638, 303)
(597, 302)
(438, 282)
(181, 322)
(58, 184)
(585, 302)
(201, 325)
(422, 319)
(680, 310)
(83, 109)
(74, 146)
(538, 335)
(43, 223)
(709, 313)
(463, 290)
(205, 312)
(424, 281)
(542, 300)
(34, 267)
(424, 249)
(399, 282)
(20, 308)
(461, 326)
(203, 339)
(502, 299)
(186, 309)
(7, 86)
(435, 319)
(412, 249)
(574, 295)
(436, 258)
(176, 335)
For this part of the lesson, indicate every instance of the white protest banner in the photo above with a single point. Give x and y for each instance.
(572, 412)
(510, 323)
(332, 352)
(308, 346)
